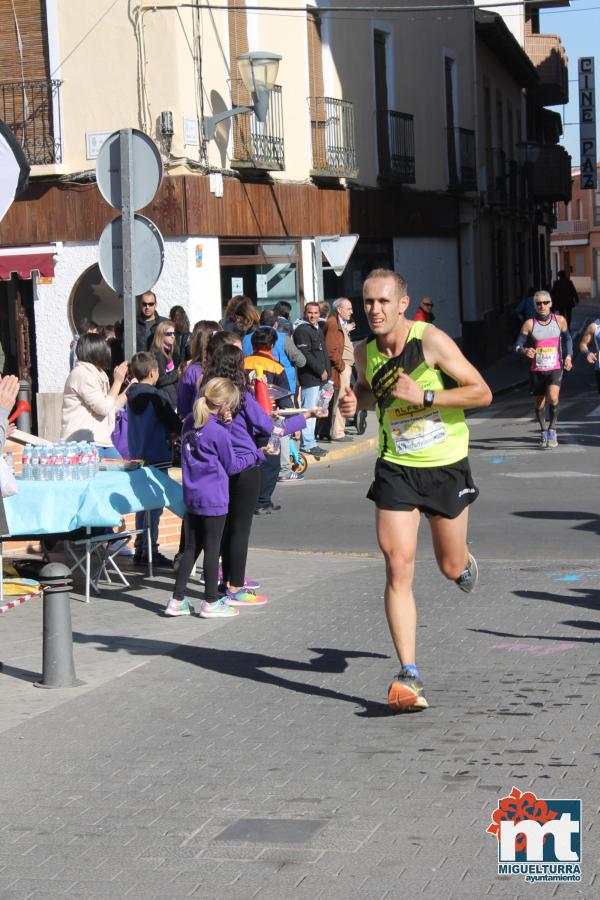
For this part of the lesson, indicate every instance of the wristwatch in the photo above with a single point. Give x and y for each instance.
(428, 398)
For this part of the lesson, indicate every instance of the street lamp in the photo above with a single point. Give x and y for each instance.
(528, 151)
(258, 70)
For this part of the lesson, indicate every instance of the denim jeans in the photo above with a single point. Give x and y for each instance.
(309, 397)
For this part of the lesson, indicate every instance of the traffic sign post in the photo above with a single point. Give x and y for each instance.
(129, 310)
(337, 250)
(131, 248)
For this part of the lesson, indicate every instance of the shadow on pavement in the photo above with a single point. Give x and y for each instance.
(589, 600)
(545, 637)
(592, 524)
(251, 666)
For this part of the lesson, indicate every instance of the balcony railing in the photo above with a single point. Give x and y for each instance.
(551, 175)
(462, 159)
(259, 145)
(575, 226)
(496, 177)
(396, 143)
(32, 110)
(548, 56)
(332, 131)
(596, 216)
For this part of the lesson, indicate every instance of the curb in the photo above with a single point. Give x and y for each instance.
(344, 452)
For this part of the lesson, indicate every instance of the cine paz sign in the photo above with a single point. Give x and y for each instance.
(587, 123)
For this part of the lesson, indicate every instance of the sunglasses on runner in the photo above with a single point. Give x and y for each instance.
(543, 302)
(148, 304)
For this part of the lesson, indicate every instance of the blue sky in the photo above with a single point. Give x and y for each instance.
(579, 29)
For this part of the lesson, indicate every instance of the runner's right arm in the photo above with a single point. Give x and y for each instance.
(522, 340)
(362, 396)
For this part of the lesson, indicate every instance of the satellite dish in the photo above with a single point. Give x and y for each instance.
(337, 250)
(147, 254)
(146, 169)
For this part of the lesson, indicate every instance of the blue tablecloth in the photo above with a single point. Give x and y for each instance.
(53, 507)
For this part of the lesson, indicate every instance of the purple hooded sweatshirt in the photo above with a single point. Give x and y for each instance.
(208, 459)
(187, 389)
(252, 423)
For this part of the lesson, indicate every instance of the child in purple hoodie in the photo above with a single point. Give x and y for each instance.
(208, 459)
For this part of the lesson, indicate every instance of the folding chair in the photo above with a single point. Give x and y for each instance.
(103, 548)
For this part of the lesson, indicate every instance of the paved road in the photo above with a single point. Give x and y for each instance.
(258, 758)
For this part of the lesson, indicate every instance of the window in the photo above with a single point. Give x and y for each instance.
(580, 263)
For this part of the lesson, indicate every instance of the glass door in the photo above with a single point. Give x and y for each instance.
(269, 272)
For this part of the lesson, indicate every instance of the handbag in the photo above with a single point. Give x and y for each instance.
(8, 483)
(119, 434)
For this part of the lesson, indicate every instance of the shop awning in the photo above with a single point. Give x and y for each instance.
(23, 261)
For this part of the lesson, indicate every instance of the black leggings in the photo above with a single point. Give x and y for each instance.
(201, 533)
(243, 496)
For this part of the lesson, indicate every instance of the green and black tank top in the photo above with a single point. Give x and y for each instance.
(412, 435)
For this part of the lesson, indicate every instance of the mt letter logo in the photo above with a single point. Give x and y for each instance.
(540, 839)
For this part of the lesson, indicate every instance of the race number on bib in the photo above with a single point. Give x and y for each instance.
(546, 357)
(416, 431)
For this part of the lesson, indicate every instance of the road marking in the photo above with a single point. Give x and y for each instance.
(510, 452)
(595, 412)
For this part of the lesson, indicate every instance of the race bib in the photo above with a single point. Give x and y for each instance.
(416, 431)
(546, 358)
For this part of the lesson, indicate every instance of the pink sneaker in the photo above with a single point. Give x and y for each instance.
(248, 582)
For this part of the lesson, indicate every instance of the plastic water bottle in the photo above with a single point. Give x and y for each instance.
(274, 445)
(35, 464)
(58, 462)
(43, 466)
(10, 461)
(26, 469)
(95, 459)
(83, 468)
(325, 395)
(70, 463)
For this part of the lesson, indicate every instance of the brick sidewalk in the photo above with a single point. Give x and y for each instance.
(124, 789)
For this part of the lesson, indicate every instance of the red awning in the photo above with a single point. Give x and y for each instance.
(23, 261)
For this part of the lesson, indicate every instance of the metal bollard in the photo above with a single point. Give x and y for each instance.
(58, 668)
(24, 420)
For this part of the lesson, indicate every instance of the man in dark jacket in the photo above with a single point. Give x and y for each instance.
(146, 321)
(310, 340)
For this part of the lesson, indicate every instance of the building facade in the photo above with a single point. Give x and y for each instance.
(402, 128)
(576, 239)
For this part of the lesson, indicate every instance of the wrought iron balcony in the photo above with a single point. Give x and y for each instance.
(332, 132)
(396, 146)
(548, 56)
(551, 174)
(258, 145)
(462, 159)
(32, 110)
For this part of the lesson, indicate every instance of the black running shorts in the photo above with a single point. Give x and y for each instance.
(539, 382)
(437, 491)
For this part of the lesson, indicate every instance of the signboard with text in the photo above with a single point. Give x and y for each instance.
(587, 123)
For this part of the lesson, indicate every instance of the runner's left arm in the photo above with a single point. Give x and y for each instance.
(566, 342)
(442, 352)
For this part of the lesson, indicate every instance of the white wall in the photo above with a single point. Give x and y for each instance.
(196, 288)
(430, 265)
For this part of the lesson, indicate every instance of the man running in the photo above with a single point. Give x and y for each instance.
(592, 354)
(403, 371)
(546, 341)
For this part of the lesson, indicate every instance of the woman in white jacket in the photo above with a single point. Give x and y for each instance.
(89, 403)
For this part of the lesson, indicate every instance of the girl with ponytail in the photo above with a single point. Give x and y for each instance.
(208, 459)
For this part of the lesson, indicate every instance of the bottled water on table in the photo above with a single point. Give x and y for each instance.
(26, 467)
(58, 462)
(43, 466)
(10, 461)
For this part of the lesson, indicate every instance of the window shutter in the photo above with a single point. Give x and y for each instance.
(318, 119)
(25, 91)
(238, 43)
